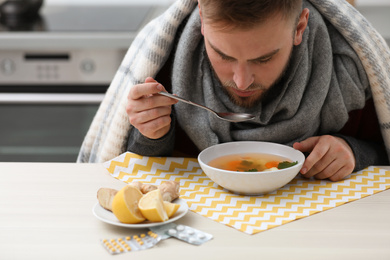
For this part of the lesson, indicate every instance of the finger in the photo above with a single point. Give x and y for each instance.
(343, 159)
(147, 109)
(335, 174)
(328, 171)
(150, 80)
(146, 89)
(306, 145)
(154, 102)
(149, 115)
(156, 128)
(326, 165)
(341, 174)
(337, 157)
(316, 161)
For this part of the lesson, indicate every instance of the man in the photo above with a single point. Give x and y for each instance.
(252, 51)
(280, 60)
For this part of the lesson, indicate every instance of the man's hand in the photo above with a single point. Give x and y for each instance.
(148, 112)
(330, 157)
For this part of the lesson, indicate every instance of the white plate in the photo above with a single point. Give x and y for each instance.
(108, 217)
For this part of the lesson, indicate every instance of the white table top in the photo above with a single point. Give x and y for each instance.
(46, 213)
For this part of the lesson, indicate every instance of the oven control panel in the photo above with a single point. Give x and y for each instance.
(59, 67)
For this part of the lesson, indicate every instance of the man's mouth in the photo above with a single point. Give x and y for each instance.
(243, 93)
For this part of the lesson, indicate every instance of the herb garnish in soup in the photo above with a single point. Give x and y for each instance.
(251, 162)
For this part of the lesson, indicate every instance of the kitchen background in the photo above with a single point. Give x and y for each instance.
(55, 68)
(358, 2)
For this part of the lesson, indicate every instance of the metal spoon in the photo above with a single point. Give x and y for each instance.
(231, 117)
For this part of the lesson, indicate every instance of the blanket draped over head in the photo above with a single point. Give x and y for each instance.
(109, 131)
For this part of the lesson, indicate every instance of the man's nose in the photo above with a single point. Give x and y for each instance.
(243, 76)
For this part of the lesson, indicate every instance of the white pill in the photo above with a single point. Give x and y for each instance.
(180, 228)
(201, 236)
(172, 232)
(182, 236)
(192, 240)
(190, 232)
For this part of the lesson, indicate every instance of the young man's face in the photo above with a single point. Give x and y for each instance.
(248, 62)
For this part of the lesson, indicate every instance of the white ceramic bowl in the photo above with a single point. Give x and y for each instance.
(250, 183)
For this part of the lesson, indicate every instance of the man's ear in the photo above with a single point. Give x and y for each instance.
(201, 18)
(301, 26)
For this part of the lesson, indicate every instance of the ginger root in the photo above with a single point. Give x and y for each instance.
(144, 188)
(105, 197)
(169, 191)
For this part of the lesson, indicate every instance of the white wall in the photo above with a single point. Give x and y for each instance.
(116, 2)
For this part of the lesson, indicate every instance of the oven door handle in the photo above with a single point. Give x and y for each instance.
(51, 98)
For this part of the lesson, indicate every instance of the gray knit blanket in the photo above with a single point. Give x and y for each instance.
(108, 133)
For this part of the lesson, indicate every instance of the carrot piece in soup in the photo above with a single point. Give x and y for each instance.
(233, 165)
(272, 164)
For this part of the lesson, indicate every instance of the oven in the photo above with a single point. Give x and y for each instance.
(54, 70)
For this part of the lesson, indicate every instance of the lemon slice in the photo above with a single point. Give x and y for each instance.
(171, 208)
(152, 207)
(125, 205)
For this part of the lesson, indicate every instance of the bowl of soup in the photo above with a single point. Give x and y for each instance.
(251, 168)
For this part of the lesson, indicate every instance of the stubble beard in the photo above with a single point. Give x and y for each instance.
(246, 102)
(264, 91)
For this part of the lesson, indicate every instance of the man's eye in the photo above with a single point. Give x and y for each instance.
(226, 58)
(263, 61)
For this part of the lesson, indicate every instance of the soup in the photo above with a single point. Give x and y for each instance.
(251, 162)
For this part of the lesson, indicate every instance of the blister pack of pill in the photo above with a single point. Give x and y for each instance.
(185, 233)
(131, 243)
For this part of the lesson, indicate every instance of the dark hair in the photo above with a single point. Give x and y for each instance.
(247, 13)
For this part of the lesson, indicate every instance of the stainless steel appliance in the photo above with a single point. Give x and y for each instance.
(54, 70)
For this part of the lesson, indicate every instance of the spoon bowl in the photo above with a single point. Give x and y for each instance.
(227, 116)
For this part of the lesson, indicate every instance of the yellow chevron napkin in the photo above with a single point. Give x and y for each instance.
(250, 214)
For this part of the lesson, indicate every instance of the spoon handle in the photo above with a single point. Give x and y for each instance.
(185, 100)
